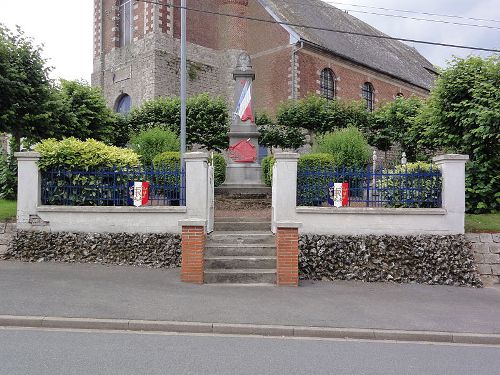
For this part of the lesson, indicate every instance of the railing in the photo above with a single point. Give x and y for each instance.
(399, 186)
(112, 187)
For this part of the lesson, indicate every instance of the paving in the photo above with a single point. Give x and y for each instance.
(128, 293)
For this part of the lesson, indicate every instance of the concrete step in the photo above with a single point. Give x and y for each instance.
(237, 250)
(240, 276)
(240, 238)
(240, 262)
(242, 226)
(240, 219)
(244, 191)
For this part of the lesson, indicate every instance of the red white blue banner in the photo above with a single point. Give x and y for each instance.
(244, 106)
(338, 194)
(138, 193)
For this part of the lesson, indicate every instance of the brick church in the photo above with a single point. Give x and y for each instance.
(137, 49)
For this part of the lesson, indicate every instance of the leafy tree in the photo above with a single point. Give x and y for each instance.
(321, 115)
(463, 116)
(207, 119)
(79, 110)
(393, 123)
(274, 135)
(152, 142)
(25, 86)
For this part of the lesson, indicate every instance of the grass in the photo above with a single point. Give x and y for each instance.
(483, 223)
(7, 209)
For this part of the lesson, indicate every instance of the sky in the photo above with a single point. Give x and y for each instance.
(65, 27)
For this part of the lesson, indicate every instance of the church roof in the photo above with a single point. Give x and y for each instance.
(389, 56)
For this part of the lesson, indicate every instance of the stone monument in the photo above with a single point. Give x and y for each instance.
(243, 172)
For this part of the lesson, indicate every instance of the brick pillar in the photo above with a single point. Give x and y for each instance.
(287, 254)
(193, 248)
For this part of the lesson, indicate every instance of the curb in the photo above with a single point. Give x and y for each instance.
(248, 329)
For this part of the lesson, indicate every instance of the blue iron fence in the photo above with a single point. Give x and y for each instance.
(399, 186)
(110, 186)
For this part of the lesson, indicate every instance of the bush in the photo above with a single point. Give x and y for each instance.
(207, 119)
(152, 142)
(274, 135)
(312, 188)
(267, 164)
(8, 177)
(72, 154)
(348, 147)
(219, 168)
(170, 161)
(397, 190)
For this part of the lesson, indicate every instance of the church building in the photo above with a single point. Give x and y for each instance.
(137, 52)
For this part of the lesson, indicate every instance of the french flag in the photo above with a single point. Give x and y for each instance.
(244, 108)
(138, 193)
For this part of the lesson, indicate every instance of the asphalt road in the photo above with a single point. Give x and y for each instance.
(40, 352)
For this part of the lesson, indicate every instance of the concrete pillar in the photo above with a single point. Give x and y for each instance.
(452, 168)
(194, 227)
(28, 187)
(284, 188)
(284, 223)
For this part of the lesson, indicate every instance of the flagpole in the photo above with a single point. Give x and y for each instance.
(183, 93)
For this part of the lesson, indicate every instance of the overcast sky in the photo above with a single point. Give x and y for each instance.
(65, 27)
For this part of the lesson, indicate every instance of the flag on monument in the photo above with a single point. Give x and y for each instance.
(138, 193)
(244, 108)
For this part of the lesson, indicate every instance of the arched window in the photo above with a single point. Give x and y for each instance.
(369, 96)
(123, 104)
(327, 84)
(125, 22)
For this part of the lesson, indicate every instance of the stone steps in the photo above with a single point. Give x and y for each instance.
(242, 224)
(243, 256)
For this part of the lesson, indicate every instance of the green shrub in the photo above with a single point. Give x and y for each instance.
(275, 135)
(8, 177)
(267, 164)
(152, 142)
(313, 177)
(207, 119)
(348, 147)
(420, 191)
(219, 168)
(73, 154)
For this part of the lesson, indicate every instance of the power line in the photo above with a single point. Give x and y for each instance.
(413, 12)
(417, 41)
(394, 15)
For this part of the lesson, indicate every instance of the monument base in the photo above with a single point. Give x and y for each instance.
(243, 180)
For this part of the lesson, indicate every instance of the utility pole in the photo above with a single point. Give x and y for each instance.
(183, 90)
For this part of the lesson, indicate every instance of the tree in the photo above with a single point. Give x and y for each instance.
(274, 135)
(25, 86)
(79, 110)
(393, 123)
(463, 116)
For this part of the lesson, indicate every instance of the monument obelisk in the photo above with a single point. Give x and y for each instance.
(243, 170)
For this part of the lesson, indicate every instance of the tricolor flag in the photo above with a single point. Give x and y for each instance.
(338, 194)
(244, 107)
(138, 193)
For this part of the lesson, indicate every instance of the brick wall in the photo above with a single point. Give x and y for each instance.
(486, 249)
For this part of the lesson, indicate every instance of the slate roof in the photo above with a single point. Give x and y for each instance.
(390, 56)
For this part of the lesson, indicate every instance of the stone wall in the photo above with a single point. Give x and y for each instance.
(7, 231)
(145, 250)
(443, 260)
(486, 249)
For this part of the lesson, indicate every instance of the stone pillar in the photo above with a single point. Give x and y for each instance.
(452, 168)
(28, 187)
(194, 227)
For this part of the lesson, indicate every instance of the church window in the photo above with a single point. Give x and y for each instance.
(124, 104)
(327, 84)
(369, 96)
(125, 22)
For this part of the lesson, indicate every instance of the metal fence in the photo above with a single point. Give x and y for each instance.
(112, 187)
(374, 186)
